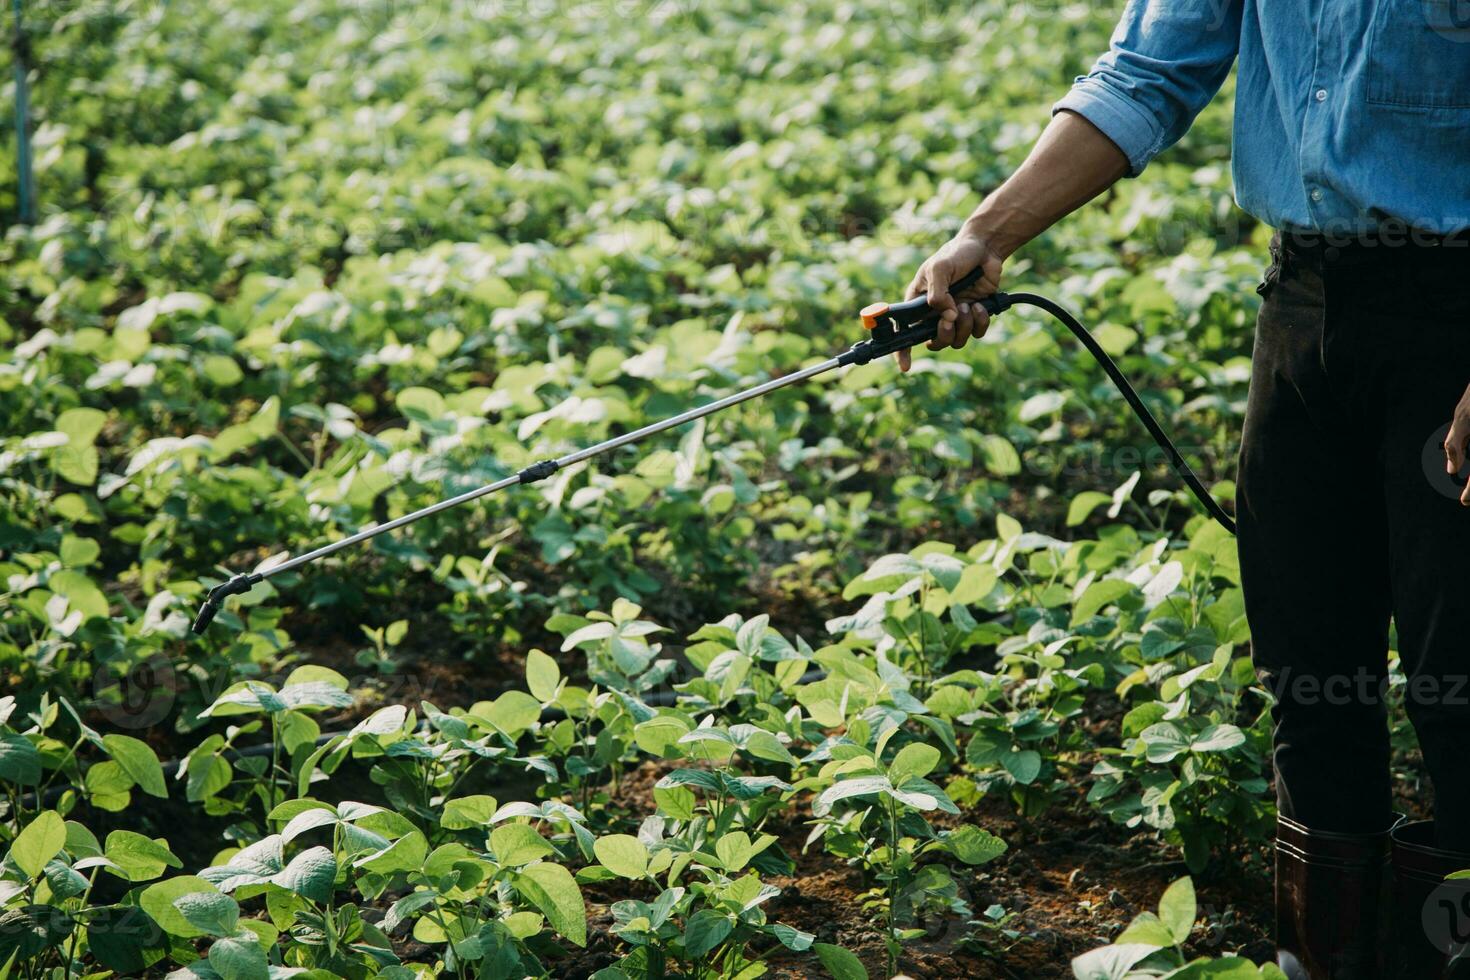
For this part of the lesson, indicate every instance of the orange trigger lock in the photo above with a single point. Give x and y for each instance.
(871, 313)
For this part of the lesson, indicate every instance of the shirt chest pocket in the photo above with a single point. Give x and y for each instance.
(1419, 54)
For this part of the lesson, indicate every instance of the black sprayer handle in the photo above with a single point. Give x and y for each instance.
(916, 309)
(899, 326)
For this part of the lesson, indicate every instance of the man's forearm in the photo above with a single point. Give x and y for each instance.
(1070, 164)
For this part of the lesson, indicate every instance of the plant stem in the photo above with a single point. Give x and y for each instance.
(892, 883)
(275, 765)
(71, 950)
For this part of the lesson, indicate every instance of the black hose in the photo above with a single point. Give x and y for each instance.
(1130, 395)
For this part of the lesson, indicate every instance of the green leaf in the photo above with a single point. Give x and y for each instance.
(139, 761)
(705, 930)
(1148, 929)
(1177, 909)
(421, 404)
(542, 675)
(468, 812)
(20, 762)
(107, 779)
(1217, 738)
(921, 794)
(973, 845)
(305, 820)
(1141, 717)
(895, 565)
(65, 881)
(81, 425)
(860, 786)
(841, 963)
(675, 801)
(1000, 456)
(81, 592)
(158, 901)
(40, 841)
(1084, 504)
(513, 712)
(976, 582)
(1097, 596)
(734, 851)
(78, 552)
(407, 853)
(791, 938)
(310, 874)
(244, 698)
(659, 736)
(1111, 962)
(139, 858)
(515, 844)
(914, 759)
(1228, 968)
(221, 370)
(1163, 742)
(77, 464)
(1024, 766)
(314, 694)
(28, 931)
(623, 855)
(765, 745)
(240, 958)
(215, 914)
(125, 939)
(944, 568)
(551, 888)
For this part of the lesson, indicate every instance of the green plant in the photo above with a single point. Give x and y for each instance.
(890, 835)
(252, 209)
(704, 930)
(383, 655)
(268, 780)
(618, 656)
(1153, 946)
(59, 756)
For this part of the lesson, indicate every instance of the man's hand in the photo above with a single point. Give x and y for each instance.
(960, 317)
(1072, 163)
(1455, 443)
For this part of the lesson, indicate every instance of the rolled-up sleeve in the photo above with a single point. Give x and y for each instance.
(1166, 61)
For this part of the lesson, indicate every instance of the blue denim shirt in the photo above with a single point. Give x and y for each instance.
(1349, 114)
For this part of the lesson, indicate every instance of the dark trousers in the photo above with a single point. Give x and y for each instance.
(1347, 518)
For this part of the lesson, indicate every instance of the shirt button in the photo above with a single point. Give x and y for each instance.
(1316, 193)
(1321, 95)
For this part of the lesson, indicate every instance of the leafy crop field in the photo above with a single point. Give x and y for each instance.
(937, 675)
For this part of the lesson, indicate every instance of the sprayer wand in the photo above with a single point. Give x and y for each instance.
(891, 328)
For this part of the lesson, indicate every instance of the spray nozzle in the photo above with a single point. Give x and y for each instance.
(238, 585)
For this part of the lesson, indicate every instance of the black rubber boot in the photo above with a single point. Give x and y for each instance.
(1331, 903)
(1431, 915)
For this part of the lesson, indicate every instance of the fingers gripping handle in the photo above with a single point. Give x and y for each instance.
(917, 309)
(898, 326)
